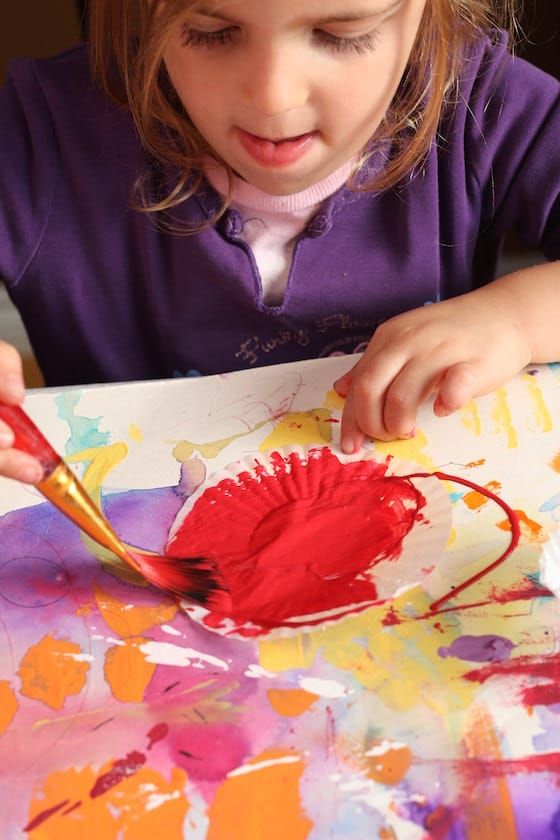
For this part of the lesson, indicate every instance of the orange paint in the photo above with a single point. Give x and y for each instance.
(125, 619)
(290, 702)
(8, 705)
(51, 671)
(390, 766)
(555, 463)
(145, 801)
(474, 499)
(262, 802)
(487, 801)
(127, 672)
(532, 531)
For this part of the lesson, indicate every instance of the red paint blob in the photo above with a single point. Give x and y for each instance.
(121, 769)
(301, 535)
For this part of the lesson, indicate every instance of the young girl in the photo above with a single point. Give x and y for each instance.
(231, 183)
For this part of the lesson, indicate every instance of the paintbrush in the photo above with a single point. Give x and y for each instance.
(193, 578)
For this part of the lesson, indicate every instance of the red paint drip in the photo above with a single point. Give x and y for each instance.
(157, 733)
(121, 769)
(514, 540)
(302, 538)
(43, 816)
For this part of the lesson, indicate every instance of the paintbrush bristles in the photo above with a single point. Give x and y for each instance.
(193, 579)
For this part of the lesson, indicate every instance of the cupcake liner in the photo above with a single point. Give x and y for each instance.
(305, 536)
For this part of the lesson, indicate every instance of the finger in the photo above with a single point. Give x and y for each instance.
(406, 393)
(458, 385)
(20, 466)
(343, 383)
(351, 436)
(12, 386)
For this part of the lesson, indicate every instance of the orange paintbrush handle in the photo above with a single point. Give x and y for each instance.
(28, 438)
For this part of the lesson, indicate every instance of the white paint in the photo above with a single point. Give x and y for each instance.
(79, 657)
(166, 653)
(256, 671)
(167, 628)
(262, 765)
(156, 800)
(384, 747)
(323, 688)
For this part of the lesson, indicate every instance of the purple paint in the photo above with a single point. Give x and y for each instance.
(479, 648)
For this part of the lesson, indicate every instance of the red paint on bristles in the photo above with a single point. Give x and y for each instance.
(192, 578)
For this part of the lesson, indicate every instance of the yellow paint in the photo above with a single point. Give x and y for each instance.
(501, 415)
(125, 619)
(299, 428)
(8, 705)
(375, 654)
(470, 418)
(290, 702)
(412, 450)
(51, 671)
(261, 803)
(390, 766)
(135, 433)
(333, 402)
(127, 672)
(184, 449)
(134, 809)
(486, 802)
(542, 415)
(100, 461)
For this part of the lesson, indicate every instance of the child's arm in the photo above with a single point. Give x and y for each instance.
(457, 349)
(13, 462)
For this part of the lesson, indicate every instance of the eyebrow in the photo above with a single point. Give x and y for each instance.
(343, 17)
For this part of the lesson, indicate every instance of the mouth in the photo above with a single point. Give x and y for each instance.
(277, 151)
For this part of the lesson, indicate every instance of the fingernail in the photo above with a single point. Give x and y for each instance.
(409, 435)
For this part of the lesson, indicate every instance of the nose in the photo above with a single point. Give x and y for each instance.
(275, 81)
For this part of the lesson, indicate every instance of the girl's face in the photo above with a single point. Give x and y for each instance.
(286, 92)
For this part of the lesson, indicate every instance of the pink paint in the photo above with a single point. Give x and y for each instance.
(301, 538)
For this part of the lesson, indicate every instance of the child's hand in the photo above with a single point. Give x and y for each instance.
(13, 463)
(457, 349)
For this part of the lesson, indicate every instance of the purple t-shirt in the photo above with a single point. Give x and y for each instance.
(106, 296)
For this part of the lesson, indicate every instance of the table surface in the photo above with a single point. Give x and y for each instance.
(122, 716)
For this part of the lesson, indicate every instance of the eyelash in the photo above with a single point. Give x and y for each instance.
(359, 44)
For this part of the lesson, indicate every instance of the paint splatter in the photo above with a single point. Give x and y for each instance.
(53, 670)
(261, 799)
(488, 648)
(121, 769)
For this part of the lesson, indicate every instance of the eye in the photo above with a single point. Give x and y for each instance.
(199, 38)
(357, 44)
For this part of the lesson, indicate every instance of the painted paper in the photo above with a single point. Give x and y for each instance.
(125, 715)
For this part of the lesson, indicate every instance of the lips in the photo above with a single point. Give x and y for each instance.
(276, 152)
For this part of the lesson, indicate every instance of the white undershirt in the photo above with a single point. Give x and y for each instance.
(272, 223)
